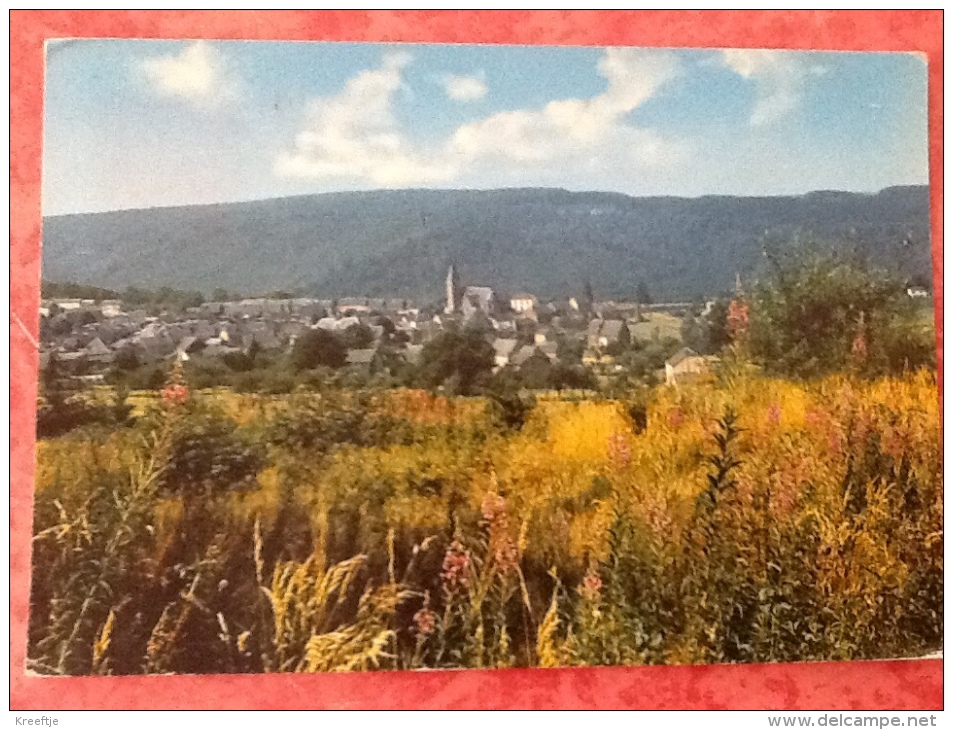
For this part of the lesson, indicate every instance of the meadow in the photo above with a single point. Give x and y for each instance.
(740, 519)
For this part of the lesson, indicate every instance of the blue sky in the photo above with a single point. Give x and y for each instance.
(133, 124)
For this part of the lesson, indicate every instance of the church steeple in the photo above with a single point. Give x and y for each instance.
(453, 290)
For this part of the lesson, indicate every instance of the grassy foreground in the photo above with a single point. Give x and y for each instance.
(744, 520)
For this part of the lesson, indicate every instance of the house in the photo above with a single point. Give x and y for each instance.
(614, 331)
(137, 317)
(522, 303)
(353, 304)
(178, 330)
(477, 299)
(605, 332)
(153, 329)
(549, 349)
(260, 332)
(685, 366)
(591, 357)
(362, 360)
(187, 346)
(503, 350)
(109, 334)
(151, 349)
(308, 309)
(228, 331)
(68, 304)
(96, 351)
(347, 322)
(917, 292)
(545, 351)
(111, 307)
(505, 327)
(204, 330)
(424, 332)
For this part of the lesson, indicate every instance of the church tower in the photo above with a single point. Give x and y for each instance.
(453, 290)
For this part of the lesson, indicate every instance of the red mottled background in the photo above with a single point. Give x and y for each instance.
(858, 685)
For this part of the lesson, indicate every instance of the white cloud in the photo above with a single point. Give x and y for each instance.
(464, 88)
(779, 77)
(578, 126)
(199, 74)
(353, 136)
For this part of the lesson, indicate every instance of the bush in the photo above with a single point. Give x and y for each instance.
(61, 413)
(209, 455)
(318, 424)
(458, 360)
(316, 348)
(819, 314)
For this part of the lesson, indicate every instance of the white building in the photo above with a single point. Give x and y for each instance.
(522, 303)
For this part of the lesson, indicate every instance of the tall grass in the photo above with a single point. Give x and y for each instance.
(736, 521)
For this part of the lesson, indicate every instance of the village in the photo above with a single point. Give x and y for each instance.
(91, 339)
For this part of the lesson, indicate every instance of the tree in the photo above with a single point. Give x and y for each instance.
(254, 350)
(127, 359)
(536, 372)
(699, 334)
(642, 295)
(316, 348)
(820, 313)
(462, 360)
(588, 298)
(717, 325)
(209, 454)
(571, 376)
(389, 327)
(358, 337)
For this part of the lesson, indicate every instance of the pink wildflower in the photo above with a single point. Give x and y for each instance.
(774, 414)
(493, 507)
(785, 488)
(591, 586)
(858, 349)
(738, 319)
(502, 546)
(658, 518)
(424, 621)
(506, 554)
(814, 418)
(619, 452)
(455, 565)
(675, 418)
(863, 427)
(175, 395)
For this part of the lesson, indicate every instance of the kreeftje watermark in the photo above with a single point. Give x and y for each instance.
(42, 720)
